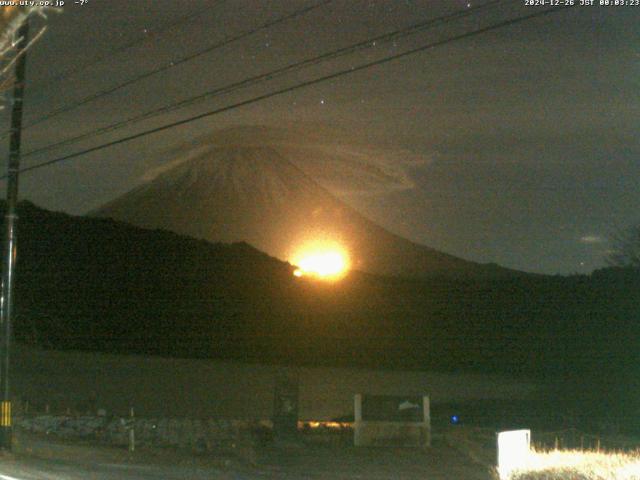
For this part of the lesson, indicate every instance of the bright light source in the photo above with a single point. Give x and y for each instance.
(326, 260)
(324, 264)
(514, 449)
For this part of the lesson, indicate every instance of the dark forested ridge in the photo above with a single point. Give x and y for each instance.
(96, 284)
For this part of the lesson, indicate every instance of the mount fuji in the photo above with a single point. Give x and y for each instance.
(256, 192)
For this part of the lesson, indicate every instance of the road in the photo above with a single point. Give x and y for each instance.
(37, 459)
(39, 469)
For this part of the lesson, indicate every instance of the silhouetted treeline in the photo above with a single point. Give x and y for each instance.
(95, 284)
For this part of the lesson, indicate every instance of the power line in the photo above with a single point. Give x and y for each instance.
(368, 43)
(294, 87)
(150, 33)
(173, 64)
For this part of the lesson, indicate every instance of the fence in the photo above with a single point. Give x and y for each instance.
(574, 439)
(227, 437)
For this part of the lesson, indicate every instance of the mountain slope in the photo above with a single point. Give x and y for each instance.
(256, 194)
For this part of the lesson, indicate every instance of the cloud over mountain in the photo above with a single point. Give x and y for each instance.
(343, 164)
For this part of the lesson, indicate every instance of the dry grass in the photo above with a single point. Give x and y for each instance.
(579, 465)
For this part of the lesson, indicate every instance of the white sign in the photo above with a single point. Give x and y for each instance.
(513, 451)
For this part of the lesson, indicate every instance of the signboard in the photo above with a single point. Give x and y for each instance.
(386, 408)
(392, 420)
(285, 406)
(514, 447)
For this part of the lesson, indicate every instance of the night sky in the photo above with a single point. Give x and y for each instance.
(517, 146)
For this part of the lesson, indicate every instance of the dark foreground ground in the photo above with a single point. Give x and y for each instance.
(42, 458)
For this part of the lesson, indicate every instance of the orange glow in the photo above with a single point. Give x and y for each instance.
(321, 424)
(321, 259)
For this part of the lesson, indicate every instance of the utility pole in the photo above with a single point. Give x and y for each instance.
(9, 254)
